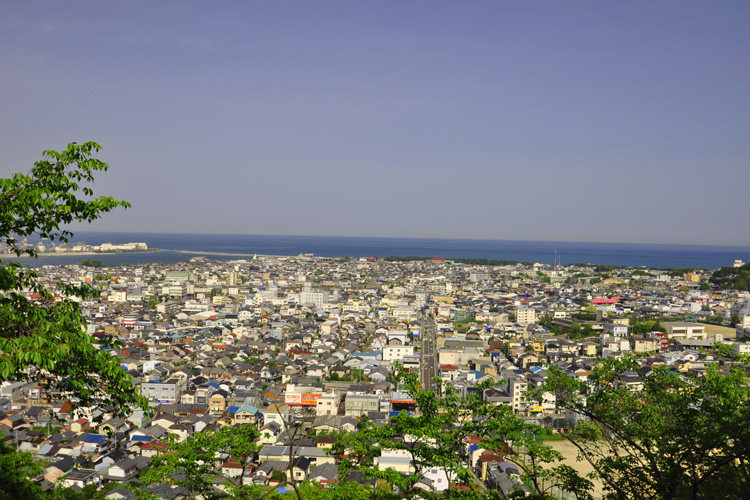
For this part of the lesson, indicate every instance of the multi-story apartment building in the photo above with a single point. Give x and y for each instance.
(525, 316)
(328, 404)
(616, 330)
(517, 387)
(168, 391)
(397, 352)
(315, 298)
(120, 295)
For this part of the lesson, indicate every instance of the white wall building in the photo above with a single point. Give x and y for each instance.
(616, 330)
(525, 316)
(315, 298)
(397, 352)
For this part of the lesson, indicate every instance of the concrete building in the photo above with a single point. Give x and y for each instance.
(315, 298)
(357, 405)
(525, 316)
(517, 388)
(685, 331)
(328, 404)
(616, 330)
(168, 391)
(397, 352)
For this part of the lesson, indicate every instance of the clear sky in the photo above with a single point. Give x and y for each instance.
(579, 120)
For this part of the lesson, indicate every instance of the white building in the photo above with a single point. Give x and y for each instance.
(118, 296)
(174, 289)
(517, 388)
(328, 404)
(397, 352)
(315, 298)
(616, 330)
(525, 316)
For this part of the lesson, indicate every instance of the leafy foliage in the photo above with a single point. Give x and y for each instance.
(676, 437)
(195, 463)
(438, 435)
(46, 198)
(42, 333)
(15, 469)
(643, 327)
(584, 316)
(736, 278)
(91, 263)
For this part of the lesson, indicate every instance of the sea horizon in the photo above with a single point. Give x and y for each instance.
(180, 247)
(532, 240)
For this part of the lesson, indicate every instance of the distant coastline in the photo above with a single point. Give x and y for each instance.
(173, 248)
(226, 254)
(82, 254)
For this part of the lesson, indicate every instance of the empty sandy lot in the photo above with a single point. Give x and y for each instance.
(729, 333)
(570, 452)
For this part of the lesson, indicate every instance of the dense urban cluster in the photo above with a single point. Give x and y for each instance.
(275, 340)
(48, 247)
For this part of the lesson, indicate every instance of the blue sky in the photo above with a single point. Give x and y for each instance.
(581, 121)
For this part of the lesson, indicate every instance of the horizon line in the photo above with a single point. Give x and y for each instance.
(746, 245)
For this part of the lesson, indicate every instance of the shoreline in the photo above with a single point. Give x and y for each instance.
(252, 256)
(227, 254)
(161, 253)
(73, 254)
(149, 251)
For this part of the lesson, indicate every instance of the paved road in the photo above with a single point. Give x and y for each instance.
(429, 353)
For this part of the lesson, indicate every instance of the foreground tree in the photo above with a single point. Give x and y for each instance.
(671, 437)
(42, 337)
(42, 332)
(15, 471)
(437, 435)
(195, 463)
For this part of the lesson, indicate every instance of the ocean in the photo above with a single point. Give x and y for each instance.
(177, 248)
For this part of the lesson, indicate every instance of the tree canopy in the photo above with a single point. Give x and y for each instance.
(42, 331)
(447, 430)
(737, 278)
(661, 435)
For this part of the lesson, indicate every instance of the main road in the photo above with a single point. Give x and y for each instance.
(428, 369)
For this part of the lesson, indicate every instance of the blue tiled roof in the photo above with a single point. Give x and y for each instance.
(95, 438)
(394, 413)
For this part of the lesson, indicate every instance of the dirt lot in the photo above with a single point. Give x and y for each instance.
(729, 333)
(570, 452)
